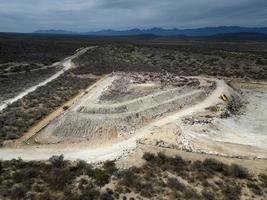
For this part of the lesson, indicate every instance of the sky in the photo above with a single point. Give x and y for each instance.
(93, 15)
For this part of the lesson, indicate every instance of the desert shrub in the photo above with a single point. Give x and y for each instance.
(231, 191)
(177, 164)
(89, 170)
(202, 172)
(161, 161)
(47, 195)
(191, 193)
(1, 167)
(65, 107)
(213, 165)
(81, 167)
(108, 195)
(263, 179)
(39, 187)
(12, 136)
(57, 161)
(119, 189)
(110, 167)
(85, 184)
(178, 160)
(18, 191)
(59, 178)
(17, 163)
(238, 171)
(89, 195)
(147, 190)
(196, 165)
(101, 177)
(208, 194)
(174, 184)
(130, 180)
(25, 174)
(260, 62)
(254, 187)
(161, 158)
(149, 157)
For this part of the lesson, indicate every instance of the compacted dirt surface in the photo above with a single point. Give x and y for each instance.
(124, 111)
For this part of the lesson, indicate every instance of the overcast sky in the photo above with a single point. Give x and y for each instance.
(91, 15)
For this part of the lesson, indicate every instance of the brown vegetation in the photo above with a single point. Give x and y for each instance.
(160, 177)
(131, 58)
(21, 115)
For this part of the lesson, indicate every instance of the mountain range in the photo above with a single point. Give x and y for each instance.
(207, 31)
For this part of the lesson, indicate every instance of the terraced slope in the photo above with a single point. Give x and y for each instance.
(92, 118)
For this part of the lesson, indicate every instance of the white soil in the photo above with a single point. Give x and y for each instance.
(238, 135)
(113, 150)
(243, 135)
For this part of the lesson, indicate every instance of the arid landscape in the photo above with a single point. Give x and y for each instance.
(133, 117)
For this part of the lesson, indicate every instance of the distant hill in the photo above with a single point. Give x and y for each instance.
(207, 31)
(244, 36)
(56, 32)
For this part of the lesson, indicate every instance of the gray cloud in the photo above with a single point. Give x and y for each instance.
(90, 15)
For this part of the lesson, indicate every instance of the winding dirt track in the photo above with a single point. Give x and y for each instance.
(67, 63)
(115, 150)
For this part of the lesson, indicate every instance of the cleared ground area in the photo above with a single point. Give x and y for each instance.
(124, 111)
(232, 128)
(120, 105)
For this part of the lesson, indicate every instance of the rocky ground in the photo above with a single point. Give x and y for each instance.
(192, 117)
(127, 103)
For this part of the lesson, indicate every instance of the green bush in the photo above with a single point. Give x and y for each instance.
(147, 190)
(110, 167)
(263, 179)
(57, 161)
(89, 195)
(255, 188)
(238, 171)
(231, 191)
(149, 157)
(81, 167)
(208, 194)
(162, 158)
(197, 165)
(101, 177)
(60, 179)
(174, 184)
(18, 191)
(108, 195)
(214, 165)
(191, 193)
(260, 62)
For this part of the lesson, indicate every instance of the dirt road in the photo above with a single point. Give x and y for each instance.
(113, 150)
(67, 64)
